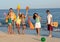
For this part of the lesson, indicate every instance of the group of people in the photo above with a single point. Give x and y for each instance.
(12, 19)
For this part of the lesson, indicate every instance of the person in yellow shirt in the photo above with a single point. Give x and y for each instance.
(10, 31)
(13, 17)
(18, 22)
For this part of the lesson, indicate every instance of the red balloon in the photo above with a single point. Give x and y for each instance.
(27, 8)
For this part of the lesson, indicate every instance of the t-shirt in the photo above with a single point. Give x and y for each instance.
(49, 18)
(18, 21)
(13, 16)
(37, 19)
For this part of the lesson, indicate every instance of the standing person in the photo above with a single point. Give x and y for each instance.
(13, 16)
(37, 18)
(23, 17)
(18, 22)
(49, 20)
(10, 31)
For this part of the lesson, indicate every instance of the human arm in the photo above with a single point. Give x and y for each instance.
(26, 13)
(50, 20)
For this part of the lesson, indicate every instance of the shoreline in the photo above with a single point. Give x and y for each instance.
(31, 32)
(24, 38)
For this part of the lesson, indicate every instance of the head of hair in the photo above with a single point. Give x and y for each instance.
(10, 9)
(22, 14)
(47, 11)
(19, 15)
(34, 17)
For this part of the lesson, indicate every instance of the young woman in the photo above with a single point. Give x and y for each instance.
(37, 18)
(13, 17)
(10, 31)
(23, 22)
(18, 22)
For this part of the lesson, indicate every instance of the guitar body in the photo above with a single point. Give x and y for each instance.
(54, 24)
(30, 24)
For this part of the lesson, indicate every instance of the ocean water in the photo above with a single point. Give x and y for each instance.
(41, 12)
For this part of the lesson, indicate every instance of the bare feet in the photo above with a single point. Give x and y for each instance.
(23, 33)
(50, 36)
(38, 35)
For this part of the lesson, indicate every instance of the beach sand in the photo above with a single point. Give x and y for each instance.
(24, 38)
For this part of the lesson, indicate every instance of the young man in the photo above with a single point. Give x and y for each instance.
(49, 20)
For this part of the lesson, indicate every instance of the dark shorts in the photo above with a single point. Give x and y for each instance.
(17, 25)
(50, 28)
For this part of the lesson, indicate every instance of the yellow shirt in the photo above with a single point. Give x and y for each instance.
(13, 16)
(18, 21)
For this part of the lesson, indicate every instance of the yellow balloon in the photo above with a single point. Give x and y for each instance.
(18, 7)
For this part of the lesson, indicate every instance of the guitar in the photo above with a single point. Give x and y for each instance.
(54, 24)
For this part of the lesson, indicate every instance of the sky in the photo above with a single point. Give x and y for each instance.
(33, 4)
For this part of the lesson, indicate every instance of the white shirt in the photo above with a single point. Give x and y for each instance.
(49, 18)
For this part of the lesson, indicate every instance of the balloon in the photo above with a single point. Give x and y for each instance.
(43, 39)
(18, 7)
(27, 7)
